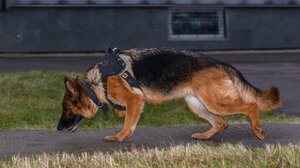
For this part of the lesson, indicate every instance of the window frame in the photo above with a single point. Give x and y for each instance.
(198, 37)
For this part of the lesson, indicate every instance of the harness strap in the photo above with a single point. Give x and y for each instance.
(130, 80)
(91, 94)
(119, 107)
(115, 65)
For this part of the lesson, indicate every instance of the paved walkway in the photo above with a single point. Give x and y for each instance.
(26, 142)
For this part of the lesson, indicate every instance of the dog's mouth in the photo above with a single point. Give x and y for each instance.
(69, 125)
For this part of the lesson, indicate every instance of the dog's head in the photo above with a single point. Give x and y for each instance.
(76, 105)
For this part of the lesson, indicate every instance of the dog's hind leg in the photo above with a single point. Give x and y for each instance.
(220, 96)
(218, 124)
(224, 123)
(239, 106)
(218, 103)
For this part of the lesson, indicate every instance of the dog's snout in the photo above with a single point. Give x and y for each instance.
(62, 124)
(59, 127)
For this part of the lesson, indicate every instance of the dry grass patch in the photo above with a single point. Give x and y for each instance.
(193, 155)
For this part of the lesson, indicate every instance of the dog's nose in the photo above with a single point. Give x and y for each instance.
(59, 127)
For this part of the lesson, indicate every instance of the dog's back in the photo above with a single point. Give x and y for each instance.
(164, 69)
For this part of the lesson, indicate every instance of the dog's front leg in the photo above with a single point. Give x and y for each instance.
(134, 108)
(120, 113)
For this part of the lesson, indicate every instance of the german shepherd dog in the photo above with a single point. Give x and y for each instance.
(210, 88)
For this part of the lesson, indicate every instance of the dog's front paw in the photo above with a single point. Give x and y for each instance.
(200, 136)
(259, 133)
(112, 139)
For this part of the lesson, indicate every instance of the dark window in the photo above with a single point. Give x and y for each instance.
(196, 25)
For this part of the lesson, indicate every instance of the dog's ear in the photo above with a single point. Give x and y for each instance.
(70, 86)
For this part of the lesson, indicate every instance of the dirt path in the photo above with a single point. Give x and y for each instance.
(27, 142)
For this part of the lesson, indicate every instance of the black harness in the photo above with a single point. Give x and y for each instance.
(94, 98)
(111, 66)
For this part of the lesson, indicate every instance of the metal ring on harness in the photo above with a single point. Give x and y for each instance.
(116, 49)
(120, 59)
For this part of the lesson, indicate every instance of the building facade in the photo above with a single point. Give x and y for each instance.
(91, 25)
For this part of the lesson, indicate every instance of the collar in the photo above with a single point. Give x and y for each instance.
(91, 94)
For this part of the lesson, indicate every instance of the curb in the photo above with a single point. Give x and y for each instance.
(95, 54)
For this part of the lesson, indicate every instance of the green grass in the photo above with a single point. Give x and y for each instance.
(192, 155)
(32, 100)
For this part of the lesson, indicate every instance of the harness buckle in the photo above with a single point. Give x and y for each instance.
(124, 75)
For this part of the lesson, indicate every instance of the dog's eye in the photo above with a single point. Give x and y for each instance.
(65, 109)
(74, 101)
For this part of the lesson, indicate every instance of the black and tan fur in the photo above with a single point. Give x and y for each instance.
(210, 88)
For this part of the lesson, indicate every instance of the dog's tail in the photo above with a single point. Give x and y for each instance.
(265, 100)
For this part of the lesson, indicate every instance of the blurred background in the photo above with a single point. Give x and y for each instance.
(91, 25)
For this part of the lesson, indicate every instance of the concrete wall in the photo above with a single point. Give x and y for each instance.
(149, 2)
(70, 29)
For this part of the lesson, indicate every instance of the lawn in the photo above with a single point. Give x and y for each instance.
(192, 155)
(32, 100)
